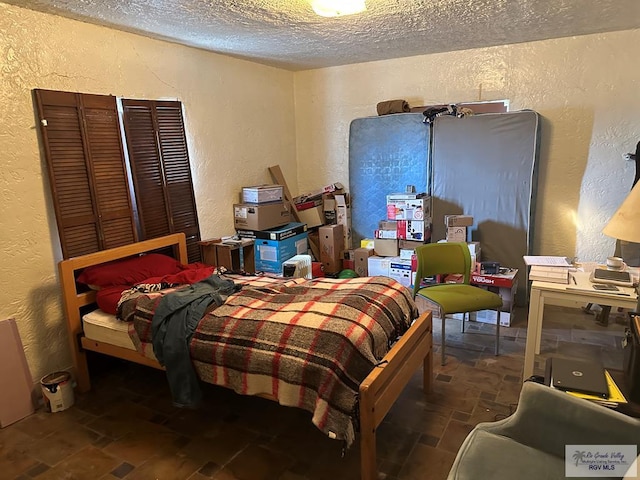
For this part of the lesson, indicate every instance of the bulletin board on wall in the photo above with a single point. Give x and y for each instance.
(481, 165)
(386, 154)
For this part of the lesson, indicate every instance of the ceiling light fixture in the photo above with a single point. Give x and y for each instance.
(337, 8)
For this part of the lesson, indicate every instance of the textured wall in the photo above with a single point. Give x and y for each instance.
(239, 118)
(586, 88)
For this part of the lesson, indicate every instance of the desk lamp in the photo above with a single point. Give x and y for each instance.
(625, 223)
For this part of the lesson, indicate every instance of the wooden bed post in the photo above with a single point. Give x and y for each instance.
(72, 303)
(385, 383)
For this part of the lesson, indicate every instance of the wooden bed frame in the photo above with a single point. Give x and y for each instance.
(378, 391)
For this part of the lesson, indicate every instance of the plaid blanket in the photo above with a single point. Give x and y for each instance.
(307, 343)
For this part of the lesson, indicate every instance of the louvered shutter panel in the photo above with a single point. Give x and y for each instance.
(162, 175)
(87, 174)
(146, 167)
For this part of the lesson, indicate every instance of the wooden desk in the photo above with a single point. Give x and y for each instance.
(543, 293)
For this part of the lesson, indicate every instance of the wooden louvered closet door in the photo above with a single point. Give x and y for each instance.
(159, 159)
(87, 173)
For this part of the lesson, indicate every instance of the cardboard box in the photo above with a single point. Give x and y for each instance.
(406, 254)
(367, 243)
(474, 249)
(331, 247)
(456, 234)
(505, 285)
(386, 229)
(278, 233)
(262, 194)
(408, 209)
(378, 265)
(508, 280)
(489, 316)
(271, 254)
(261, 216)
(385, 247)
(334, 187)
(310, 204)
(387, 225)
(343, 217)
(312, 217)
(405, 196)
(329, 207)
(415, 230)
(409, 244)
(349, 260)
(458, 220)
(361, 261)
(390, 234)
(400, 271)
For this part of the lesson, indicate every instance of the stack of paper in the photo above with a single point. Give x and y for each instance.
(546, 260)
(558, 274)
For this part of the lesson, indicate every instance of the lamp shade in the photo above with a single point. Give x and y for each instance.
(625, 223)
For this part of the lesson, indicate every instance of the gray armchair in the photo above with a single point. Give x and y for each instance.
(530, 444)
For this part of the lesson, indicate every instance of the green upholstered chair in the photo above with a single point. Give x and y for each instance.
(453, 258)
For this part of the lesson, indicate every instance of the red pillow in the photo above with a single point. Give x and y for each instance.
(130, 270)
(108, 298)
(192, 273)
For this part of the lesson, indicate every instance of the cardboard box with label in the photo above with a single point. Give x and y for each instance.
(367, 243)
(505, 285)
(456, 234)
(361, 261)
(408, 248)
(278, 233)
(260, 216)
(386, 229)
(262, 194)
(331, 247)
(415, 230)
(379, 265)
(329, 207)
(401, 208)
(458, 220)
(271, 254)
(400, 271)
(343, 217)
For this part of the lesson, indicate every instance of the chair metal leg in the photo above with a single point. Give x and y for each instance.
(499, 313)
(442, 316)
(464, 317)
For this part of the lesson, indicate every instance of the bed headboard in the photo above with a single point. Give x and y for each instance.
(74, 300)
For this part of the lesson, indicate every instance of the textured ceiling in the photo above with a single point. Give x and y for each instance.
(287, 34)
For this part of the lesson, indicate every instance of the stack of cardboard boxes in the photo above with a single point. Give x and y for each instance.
(264, 217)
(406, 226)
(327, 206)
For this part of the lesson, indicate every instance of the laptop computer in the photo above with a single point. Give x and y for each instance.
(579, 376)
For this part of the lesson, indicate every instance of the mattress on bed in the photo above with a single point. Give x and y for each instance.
(106, 328)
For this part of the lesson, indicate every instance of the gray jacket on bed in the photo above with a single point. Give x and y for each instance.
(174, 322)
